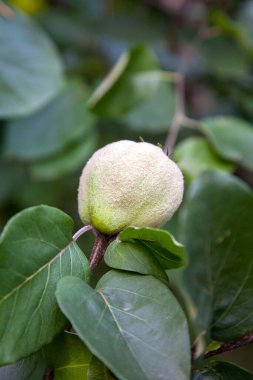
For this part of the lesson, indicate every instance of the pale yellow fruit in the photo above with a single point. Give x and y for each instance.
(129, 184)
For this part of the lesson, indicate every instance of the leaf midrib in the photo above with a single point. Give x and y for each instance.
(35, 273)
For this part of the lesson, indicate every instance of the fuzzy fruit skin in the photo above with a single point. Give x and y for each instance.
(129, 184)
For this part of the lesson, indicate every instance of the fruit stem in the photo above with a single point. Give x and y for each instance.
(101, 243)
(81, 232)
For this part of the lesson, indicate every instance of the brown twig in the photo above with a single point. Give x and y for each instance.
(225, 347)
(101, 243)
(6, 11)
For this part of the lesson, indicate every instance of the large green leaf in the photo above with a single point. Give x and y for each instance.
(232, 138)
(30, 368)
(161, 243)
(68, 357)
(61, 123)
(30, 69)
(222, 371)
(195, 155)
(128, 320)
(132, 79)
(217, 227)
(36, 250)
(133, 257)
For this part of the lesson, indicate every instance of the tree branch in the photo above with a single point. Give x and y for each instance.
(225, 347)
(48, 375)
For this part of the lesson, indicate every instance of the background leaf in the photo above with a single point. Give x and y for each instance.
(137, 317)
(232, 138)
(161, 243)
(195, 155)
(60, 124)
(132, 79)
(219, 273)
(68, 357)
(36, 250)
(30, 68)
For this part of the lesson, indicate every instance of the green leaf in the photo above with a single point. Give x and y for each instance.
(68, 357)
(71, 159)
(133, 257)
(30, 68)
(155, 113)
(132, 79)
(222, 371)
(224, 58)
(36, 250)
(161, 243)
(217, 222)
(232, 138)
(30, 368)
(98, 371)
(126, 321)
(195, 155)
(48, 132)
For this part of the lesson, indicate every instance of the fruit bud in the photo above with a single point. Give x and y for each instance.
(129, 184)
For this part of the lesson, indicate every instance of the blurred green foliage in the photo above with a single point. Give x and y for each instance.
(58, 104)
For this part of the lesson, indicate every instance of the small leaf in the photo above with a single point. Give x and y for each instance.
(68, 357)
(134, 257)
(30, 68)
(128, 320)
(132, 79)
(60, 124)
(161, 243)
(195, 155)
(217, 219)
(36, 250)
(232, 138)
(222, 371)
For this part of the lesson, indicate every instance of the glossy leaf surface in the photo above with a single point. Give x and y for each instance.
(36, 250)
(219, 275)
(136, 317)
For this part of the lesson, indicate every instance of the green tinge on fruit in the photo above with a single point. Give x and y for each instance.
(129, 184)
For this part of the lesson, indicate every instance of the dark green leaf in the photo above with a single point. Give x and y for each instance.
(132, 79)
(232, 138)
(161, 243)
(36, 250)
(217, 227)
(222, 371)
(30, 69)
(195, 155)
(52, 129)
(31, 368)
(128, 320)
(134, 257)
(68, 357)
